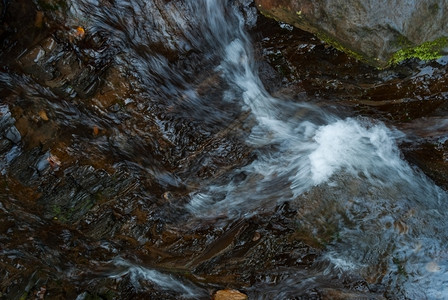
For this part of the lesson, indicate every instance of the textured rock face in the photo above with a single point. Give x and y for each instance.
(373, 30)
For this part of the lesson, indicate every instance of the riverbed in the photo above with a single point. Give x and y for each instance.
(169, 149)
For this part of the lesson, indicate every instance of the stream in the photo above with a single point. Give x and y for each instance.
(147, 153)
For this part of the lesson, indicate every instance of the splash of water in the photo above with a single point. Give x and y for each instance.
(310, 145)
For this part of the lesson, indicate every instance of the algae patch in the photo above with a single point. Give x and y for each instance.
(337, 45)
(426, 51)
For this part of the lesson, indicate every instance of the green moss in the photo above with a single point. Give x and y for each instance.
(56, 210)
(327, 39)
(57, 213)
(24, 296)
(426, 51)
(402, 42)
(68, 214)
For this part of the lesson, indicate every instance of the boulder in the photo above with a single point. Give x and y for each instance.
(379, 32)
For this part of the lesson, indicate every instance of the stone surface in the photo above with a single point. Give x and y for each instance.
(229, 295)
(369, 29)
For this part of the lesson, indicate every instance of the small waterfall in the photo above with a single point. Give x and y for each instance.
(141, 156)
(353, 164)
(390, 217)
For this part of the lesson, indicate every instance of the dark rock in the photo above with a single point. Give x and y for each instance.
(378, 32)
(13, 134)
(335, 294)
(429, 150)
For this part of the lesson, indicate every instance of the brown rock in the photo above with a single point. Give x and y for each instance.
(229, 295)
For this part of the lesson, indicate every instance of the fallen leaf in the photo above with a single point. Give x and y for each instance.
(80, 32)
(229, 295)
(96, 130)
(43, 115)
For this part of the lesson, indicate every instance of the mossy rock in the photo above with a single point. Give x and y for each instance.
(426, 51)
(368, 30)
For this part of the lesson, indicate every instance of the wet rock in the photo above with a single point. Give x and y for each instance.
(2, 11)
(62, 58)
(12, 23)
(427, 144)
(229, 295)
(411, 96)
(116, 89)
(65, 70)
(9, 139)
(333, 294)
(401, 93)
(13, 134)
(35, 130)
(432, 157)
(379, 33)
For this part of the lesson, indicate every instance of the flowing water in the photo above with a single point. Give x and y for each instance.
(354, 163)
(221, 150)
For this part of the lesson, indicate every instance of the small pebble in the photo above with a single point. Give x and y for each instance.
(229, 295)
(256, 237)
(80, 32)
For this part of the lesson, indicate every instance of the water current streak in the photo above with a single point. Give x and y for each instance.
(383, 205)
(390, 218)
(197, 96)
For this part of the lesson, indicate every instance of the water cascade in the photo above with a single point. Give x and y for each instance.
(389, 220)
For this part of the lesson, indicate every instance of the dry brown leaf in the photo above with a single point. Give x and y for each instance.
(43, 115)
(80, 32)
(229, 295)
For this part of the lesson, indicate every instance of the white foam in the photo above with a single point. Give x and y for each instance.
(353, 147)
(343, 264)
(308, 146)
